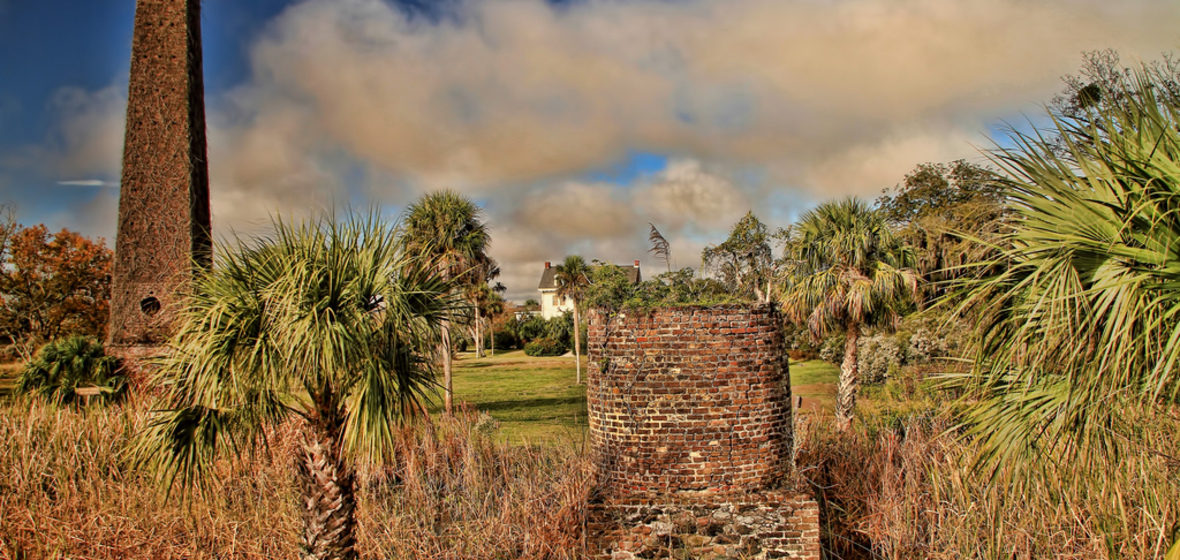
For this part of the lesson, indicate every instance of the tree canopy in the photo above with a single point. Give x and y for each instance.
(53, 286)
(745, 260)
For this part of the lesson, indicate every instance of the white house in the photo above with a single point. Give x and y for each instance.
(553, 306)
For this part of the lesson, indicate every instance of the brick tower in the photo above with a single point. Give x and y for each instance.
(164, 233)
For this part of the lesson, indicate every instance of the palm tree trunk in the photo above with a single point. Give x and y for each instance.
(445, 350)
(578, 342)
(849, 380)
(478, 337)
(329, 515)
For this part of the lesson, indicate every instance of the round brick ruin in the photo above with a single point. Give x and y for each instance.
(689, 399)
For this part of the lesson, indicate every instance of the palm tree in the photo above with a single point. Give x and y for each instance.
(492, 309)
(1080, 327)
(846, 271)
(63, 366)
(572, 278)
(446, 229)
(479, 293)
(325, 321)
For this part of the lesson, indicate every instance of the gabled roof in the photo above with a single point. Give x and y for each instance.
(549, 282)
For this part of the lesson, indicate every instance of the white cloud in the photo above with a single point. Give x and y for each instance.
(88, 183)
(512, 100)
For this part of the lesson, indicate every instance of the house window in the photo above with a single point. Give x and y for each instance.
(555, 304)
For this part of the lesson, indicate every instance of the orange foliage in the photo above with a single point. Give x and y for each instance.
(54, 285)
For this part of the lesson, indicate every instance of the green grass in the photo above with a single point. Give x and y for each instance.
(534, 399)
(537, 401)
(815, 380)
(812, 372)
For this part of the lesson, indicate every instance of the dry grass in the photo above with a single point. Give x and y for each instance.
(65, 491)
(913, 492)
(897, 487)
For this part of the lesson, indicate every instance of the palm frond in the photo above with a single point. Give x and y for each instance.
(660, 246)
(1081, 320)
(330, 320)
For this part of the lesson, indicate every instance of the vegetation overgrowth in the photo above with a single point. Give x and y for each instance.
(456, 491)
(906, 486)
(899, 484)
(64, 366)
(326, 321)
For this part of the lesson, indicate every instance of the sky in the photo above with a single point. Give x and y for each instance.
(573, 123)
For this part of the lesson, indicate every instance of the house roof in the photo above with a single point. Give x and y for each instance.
(549, 282)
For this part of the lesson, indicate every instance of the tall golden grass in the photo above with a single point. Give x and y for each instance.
(66, 491)
(912, 491)
(896, 490)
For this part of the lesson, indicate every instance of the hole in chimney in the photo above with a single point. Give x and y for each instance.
(149, 305)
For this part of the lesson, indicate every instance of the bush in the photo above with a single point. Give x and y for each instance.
(545, 347)
(63, 366)
(832, 349)
(879, 357)
(531, 329)
(561, 329)
(505, 341)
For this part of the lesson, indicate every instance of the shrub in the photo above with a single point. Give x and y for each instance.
(545, 347)
(832, 349)
(925, 345)
(561, 329)
(879, 357)
(531, 329)
(63, 366)
(505, 341)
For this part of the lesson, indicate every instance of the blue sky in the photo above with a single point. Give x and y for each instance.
(576, 123)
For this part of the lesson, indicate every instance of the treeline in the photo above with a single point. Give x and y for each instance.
(52, 285)
(1040, 283)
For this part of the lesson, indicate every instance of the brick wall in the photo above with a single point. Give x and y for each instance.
(753, 526)
(689, 399)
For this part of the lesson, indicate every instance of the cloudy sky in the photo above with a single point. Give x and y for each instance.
(574, 122)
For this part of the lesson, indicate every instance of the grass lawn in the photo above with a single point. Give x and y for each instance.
(815, 381)
(534, 399)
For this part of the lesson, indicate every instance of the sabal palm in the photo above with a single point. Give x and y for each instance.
(572, 277)
(65, 365)
(846, 270)
(1081, 329)
(478, 293)
(326, 321)
(494, 307)
(446, 229)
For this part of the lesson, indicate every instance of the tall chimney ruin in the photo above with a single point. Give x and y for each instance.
(164, 228)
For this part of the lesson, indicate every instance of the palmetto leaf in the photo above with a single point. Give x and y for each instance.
(1082, 321)
(328, 320)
